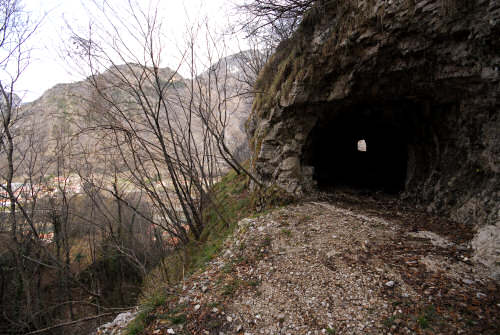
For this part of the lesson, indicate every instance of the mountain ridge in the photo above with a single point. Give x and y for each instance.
(65, 104)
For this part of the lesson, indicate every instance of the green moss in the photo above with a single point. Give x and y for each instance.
(271, 197)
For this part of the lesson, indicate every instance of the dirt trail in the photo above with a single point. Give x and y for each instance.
(348, 265)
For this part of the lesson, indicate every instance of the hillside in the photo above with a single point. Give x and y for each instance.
(94, 209)
(65, 106)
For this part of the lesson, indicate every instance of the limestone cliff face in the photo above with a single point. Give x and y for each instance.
(419, 80)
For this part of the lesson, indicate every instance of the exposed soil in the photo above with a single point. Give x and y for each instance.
(345, 264)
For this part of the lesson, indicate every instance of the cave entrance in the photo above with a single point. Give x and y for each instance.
(363, 148)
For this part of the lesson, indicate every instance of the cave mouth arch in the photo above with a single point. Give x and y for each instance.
(364, 147)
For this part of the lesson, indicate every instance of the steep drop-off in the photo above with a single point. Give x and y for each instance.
(418, 80)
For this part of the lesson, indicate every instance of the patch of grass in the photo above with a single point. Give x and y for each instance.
(136, 326)
(228, 267)
(266, 241)
(427, 316)
(330, 331)
(178, 319)
(254, 283)
(213, 304)
(423, 322)
(389, 321)
(145, 316)
(286, 232)
(231, 287)
(156, 300)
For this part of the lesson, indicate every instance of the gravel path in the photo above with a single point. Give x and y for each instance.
(342, 267)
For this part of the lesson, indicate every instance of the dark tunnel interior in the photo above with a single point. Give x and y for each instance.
(364, 147)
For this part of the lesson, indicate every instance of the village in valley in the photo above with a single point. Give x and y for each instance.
(71, 186)
(25, 193)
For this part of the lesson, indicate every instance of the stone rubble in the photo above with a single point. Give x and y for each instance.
(118, 325)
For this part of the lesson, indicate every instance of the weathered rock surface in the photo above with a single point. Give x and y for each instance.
(118, 325)
(418, 79)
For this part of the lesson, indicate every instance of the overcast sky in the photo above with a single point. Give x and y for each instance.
(47, 68)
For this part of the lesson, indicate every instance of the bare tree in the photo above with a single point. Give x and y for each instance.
(27, 301)
(251, 61)
(18, 155)
(15, 30)
(156, 178)
(152, 137)
(168, 133)
(272, 21)
(219, 92)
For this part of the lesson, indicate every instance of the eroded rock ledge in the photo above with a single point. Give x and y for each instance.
(417, 80)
